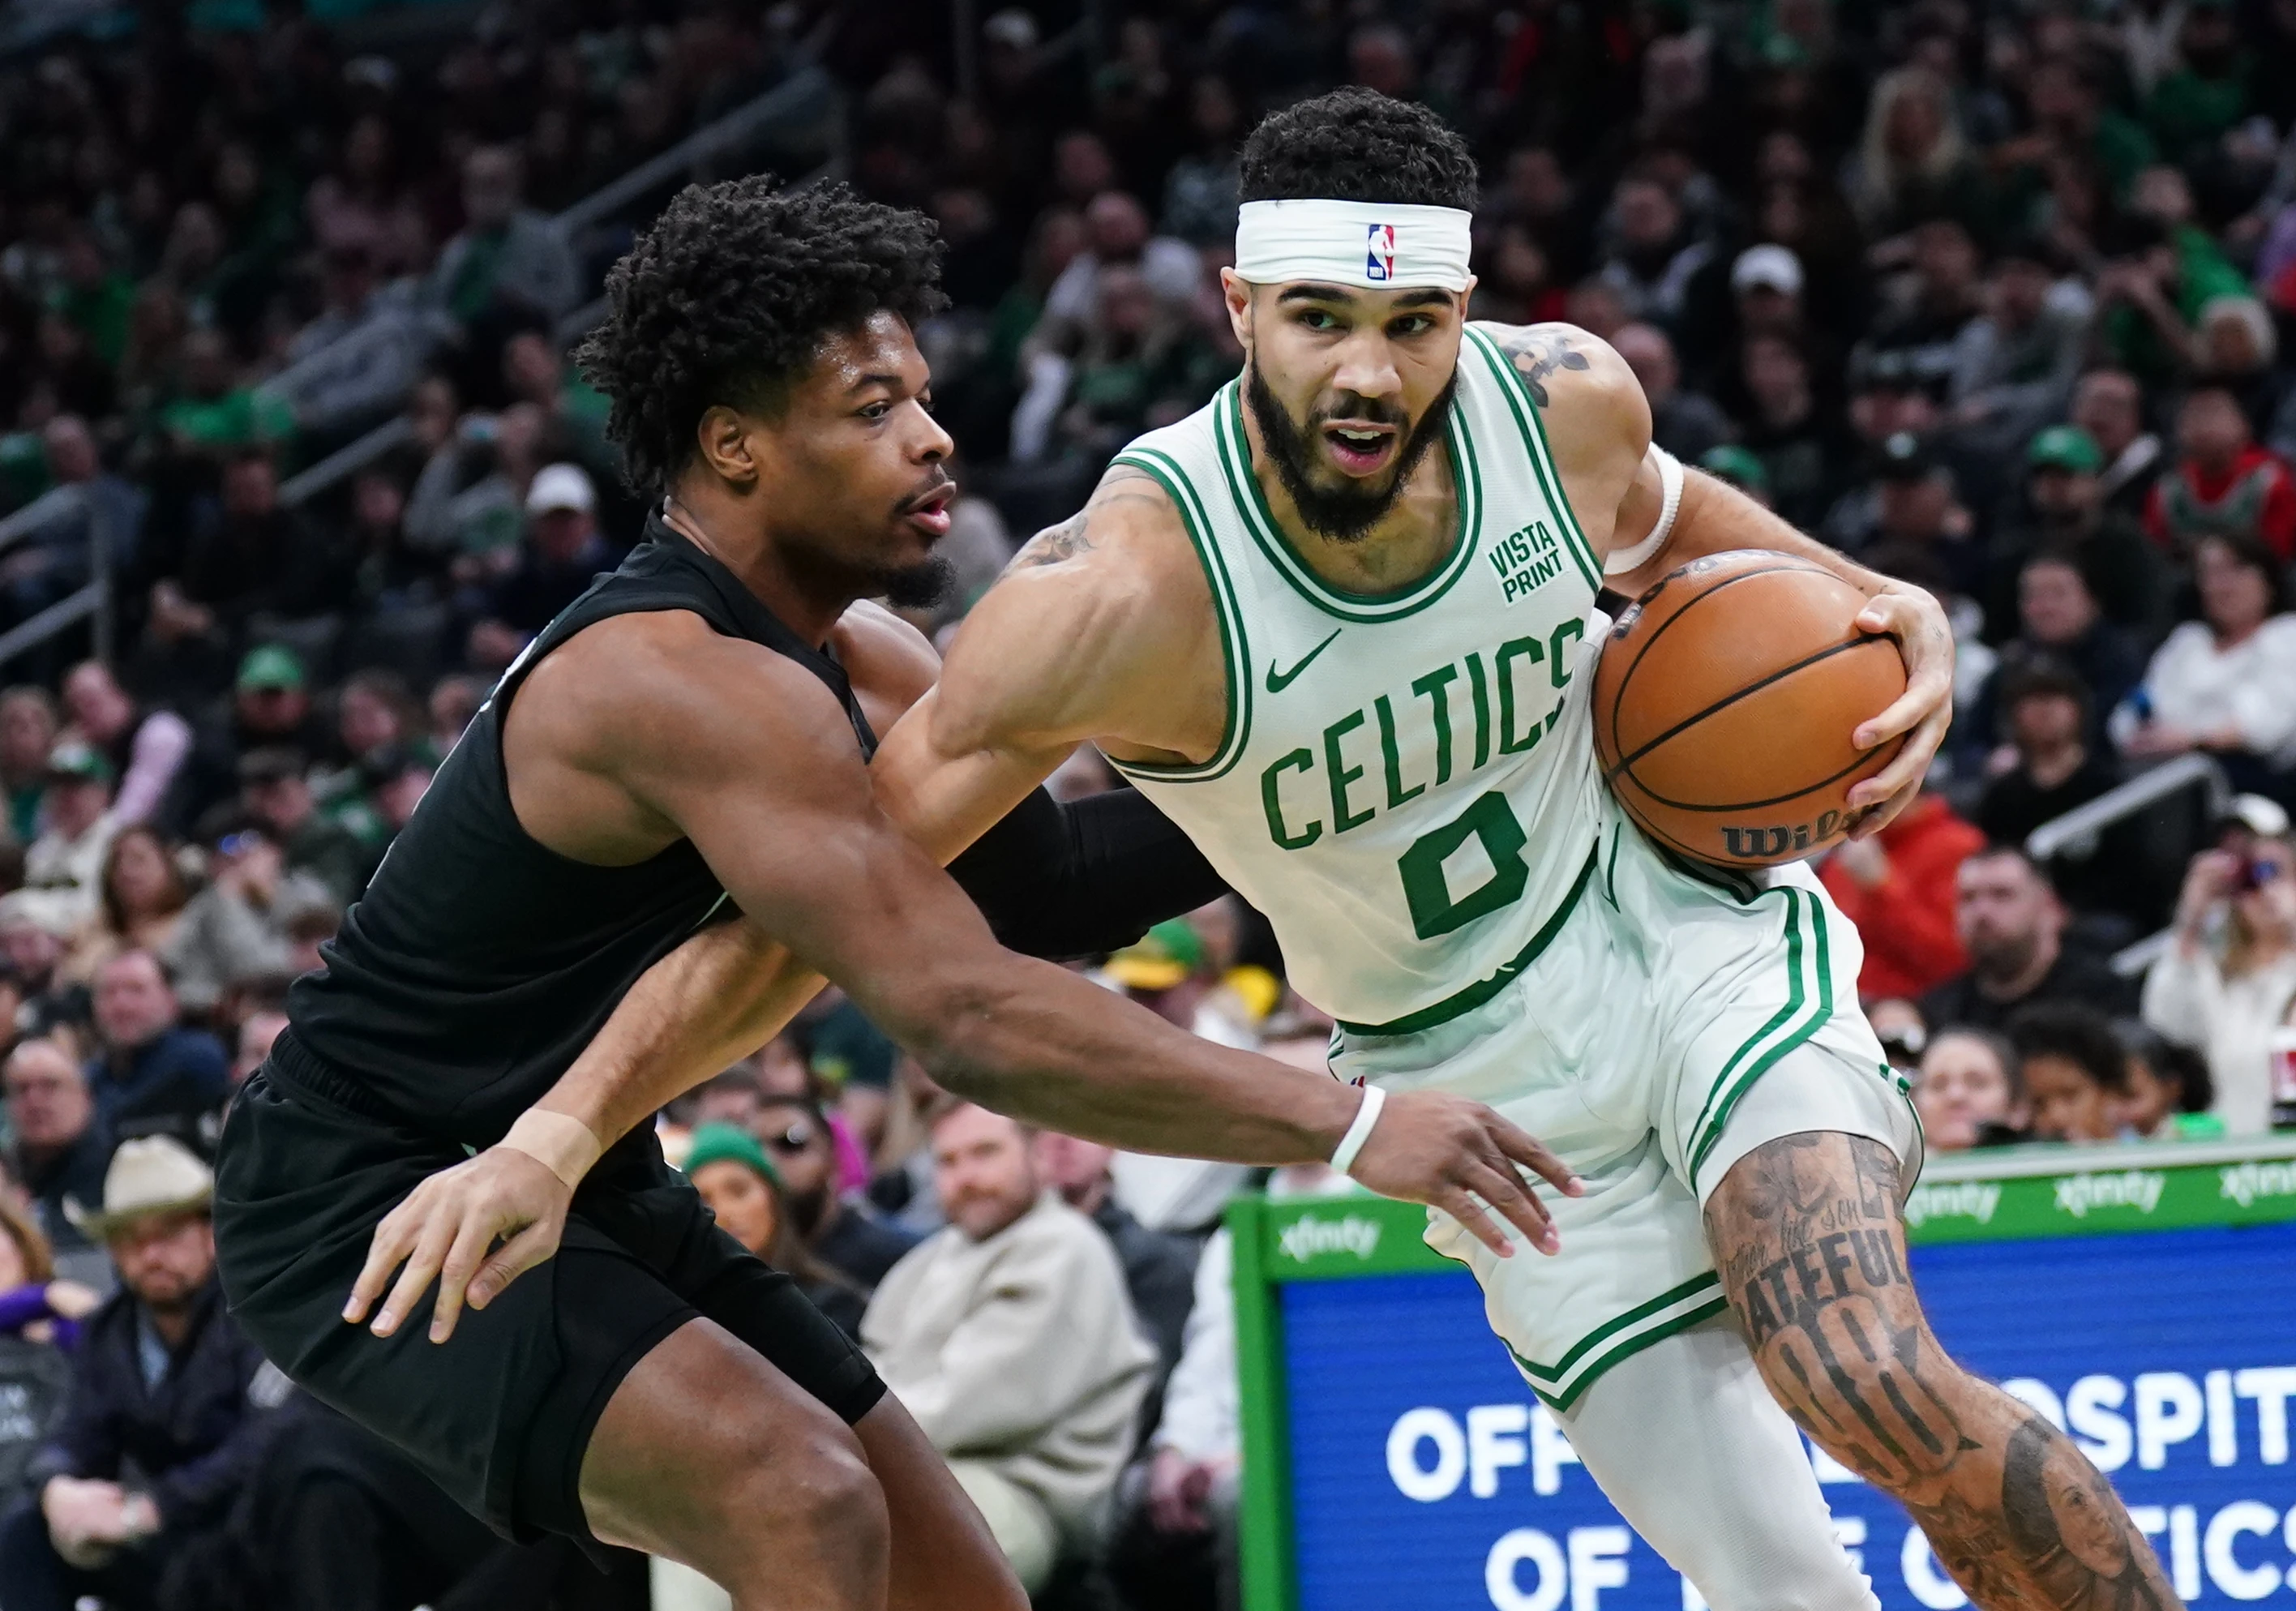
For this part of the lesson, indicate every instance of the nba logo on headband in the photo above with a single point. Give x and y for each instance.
(1379, 260)
(1379, 245)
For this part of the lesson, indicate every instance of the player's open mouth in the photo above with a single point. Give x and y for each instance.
(930, 514)
(1360, 448)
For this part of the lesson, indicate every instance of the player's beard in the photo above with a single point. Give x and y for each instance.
(1345, 513)
(919, 587)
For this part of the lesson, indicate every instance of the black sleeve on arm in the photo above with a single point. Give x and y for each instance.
(1076, 880)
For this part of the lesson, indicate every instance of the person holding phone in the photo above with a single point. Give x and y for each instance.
(2226, 984)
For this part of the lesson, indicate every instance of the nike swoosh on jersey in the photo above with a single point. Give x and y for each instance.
(1277, 681)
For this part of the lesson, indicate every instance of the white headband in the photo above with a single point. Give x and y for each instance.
(1376, 245)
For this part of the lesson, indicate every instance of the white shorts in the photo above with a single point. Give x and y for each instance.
(1680, 1018)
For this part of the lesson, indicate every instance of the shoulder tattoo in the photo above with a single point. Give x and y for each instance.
(1053, 544)
(1073, 536)
(1537, 351)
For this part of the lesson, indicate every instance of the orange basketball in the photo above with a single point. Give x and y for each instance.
(1723, 703)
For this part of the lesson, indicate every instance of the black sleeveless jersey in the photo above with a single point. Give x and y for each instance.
(480, 962)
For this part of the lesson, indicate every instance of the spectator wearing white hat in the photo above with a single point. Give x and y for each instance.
(167, 1416)
(1766, 280)
(562, 553)
(63, 868)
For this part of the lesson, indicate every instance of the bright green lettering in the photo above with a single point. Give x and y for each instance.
(1268, 781)
(1395, 793)
(1338, 774)
(1482, 710)
(1433, 909)
(1517, 648)
(1558, 664)
(1432, 686)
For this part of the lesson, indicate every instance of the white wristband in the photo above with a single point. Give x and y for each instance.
(1359, 1132)
(1669, 505)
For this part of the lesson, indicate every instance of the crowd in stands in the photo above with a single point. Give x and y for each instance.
(1994, 297)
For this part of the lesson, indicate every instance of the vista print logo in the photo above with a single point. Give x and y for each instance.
(2136, 1189)
(1379, 258)
(1313, 1238)
(1961, 1200)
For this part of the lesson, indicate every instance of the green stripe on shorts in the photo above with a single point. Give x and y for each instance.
(1727, 1090)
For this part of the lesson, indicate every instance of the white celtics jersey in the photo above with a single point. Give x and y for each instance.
(1406, 785)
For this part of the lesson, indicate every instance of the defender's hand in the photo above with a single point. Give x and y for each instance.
(447, 1227)
(1922, 712)
(1448, 1153)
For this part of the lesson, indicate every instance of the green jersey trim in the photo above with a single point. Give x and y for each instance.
(1542, 457)
(1559, 1384)
(1251, 503)
(1467, 1001)
(1790, 1030)
(1235, 650)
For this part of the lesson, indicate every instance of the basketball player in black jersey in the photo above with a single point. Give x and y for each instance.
(687, 745)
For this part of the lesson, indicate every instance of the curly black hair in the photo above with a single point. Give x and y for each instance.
(1356, 144)
(2075, 1033)
(727, 299)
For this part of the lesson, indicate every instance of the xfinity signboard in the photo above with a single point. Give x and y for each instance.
(1420, 1471)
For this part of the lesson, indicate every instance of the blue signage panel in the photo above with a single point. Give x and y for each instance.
(1425, 1475)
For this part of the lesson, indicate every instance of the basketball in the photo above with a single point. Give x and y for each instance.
(1723, 704)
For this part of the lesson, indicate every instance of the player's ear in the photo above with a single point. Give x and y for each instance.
(721, 438)
(1237, 293)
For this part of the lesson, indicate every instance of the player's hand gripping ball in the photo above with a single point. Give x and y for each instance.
(1724, 700)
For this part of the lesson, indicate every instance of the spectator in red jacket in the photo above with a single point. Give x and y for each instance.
(2222, 482)
(1898, 887)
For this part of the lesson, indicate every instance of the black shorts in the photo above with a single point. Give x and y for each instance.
(500, 1414)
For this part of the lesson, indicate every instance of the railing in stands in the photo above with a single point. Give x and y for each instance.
(2078, 829)
(91, 602)
(809, 93)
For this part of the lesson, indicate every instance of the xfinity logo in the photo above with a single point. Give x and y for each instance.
(1962, 1200)
(2136, 1189)
(2243, 1183)
(1306, 1239)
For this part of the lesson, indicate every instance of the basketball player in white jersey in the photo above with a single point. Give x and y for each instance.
(1337, 626)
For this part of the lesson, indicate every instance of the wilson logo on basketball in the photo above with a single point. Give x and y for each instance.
(1725, 704)
(1773, 843)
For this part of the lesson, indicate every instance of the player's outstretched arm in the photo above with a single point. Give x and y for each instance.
(792, 829)
(786, 819)
(1598, 422)
(1095, 632)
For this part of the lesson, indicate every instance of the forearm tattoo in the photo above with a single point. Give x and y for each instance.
(1805, 1233)
(1537, 351)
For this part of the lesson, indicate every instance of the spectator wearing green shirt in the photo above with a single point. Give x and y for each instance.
(2150, 299)
(29, 725)
(2207, 91)
(95, 298)
(506, 252)
(214, 414)
(2071, 119)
